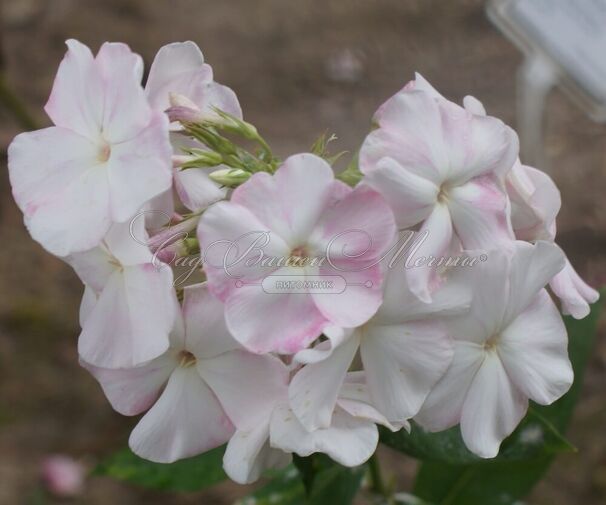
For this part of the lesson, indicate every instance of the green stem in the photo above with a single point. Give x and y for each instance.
(16, 107)
(377, 484)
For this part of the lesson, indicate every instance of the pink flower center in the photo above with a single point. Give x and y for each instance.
(104, 152)
(298, 256)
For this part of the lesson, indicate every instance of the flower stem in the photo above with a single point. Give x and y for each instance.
(377, 484)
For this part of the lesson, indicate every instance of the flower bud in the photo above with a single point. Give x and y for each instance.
(179, 100)
(184, 115)
(172, 234)
(230, 177)
(182, 159)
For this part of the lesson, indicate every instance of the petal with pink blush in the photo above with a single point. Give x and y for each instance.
(478, 145)
(232, 239)
(177, 68)
(207, 335)
(139, 169)
(435, 237)
(131, 391)
(480, 213)
(195, 189)
(291, 202)
(535, 203)
(54, 171)
(356, 230)
(186, 420)
(473, 105)
(410, 196)
(140, 301)
(125, 108)
(76, 100)
(532, 267)
(217, 96)
(411, 133)
(360, 299)
(574, 293)
(283, 323)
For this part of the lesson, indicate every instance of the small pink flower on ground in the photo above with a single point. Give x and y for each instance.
(63, 476)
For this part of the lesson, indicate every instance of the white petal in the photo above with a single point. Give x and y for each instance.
(534, 351)
(437, 229)
(247, 385)
(132, 319)
(400, 304)
(403, 363)
(355, 400)
(411, 133)
(196, 190)
(215, 95)
(128, 242)
(133, 390)
(203, 314)
(473, 105)
(76, 101)
(93, 267)
(314, 389)
(273, 200)
(248, 455)
(488, 281)
(335, 337)
(89, 300)
(230, 235)
(125, 108)
(61, 189)
(177, 68)
(410, 196)
(574, 293)
(480, 211)
(186, 420)
(284, 323)
(532, 267)
(442, 408)
(139, 169)
(349, 441)
(492, 409)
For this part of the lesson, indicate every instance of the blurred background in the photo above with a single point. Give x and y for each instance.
(299, 68)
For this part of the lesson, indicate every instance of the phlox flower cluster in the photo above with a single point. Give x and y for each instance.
(131, 177)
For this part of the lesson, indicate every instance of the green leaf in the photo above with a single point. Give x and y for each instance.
(285, 488)
(536, 435)
(337, 485)
(328, 483)
(503, 481)
(189, 474)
